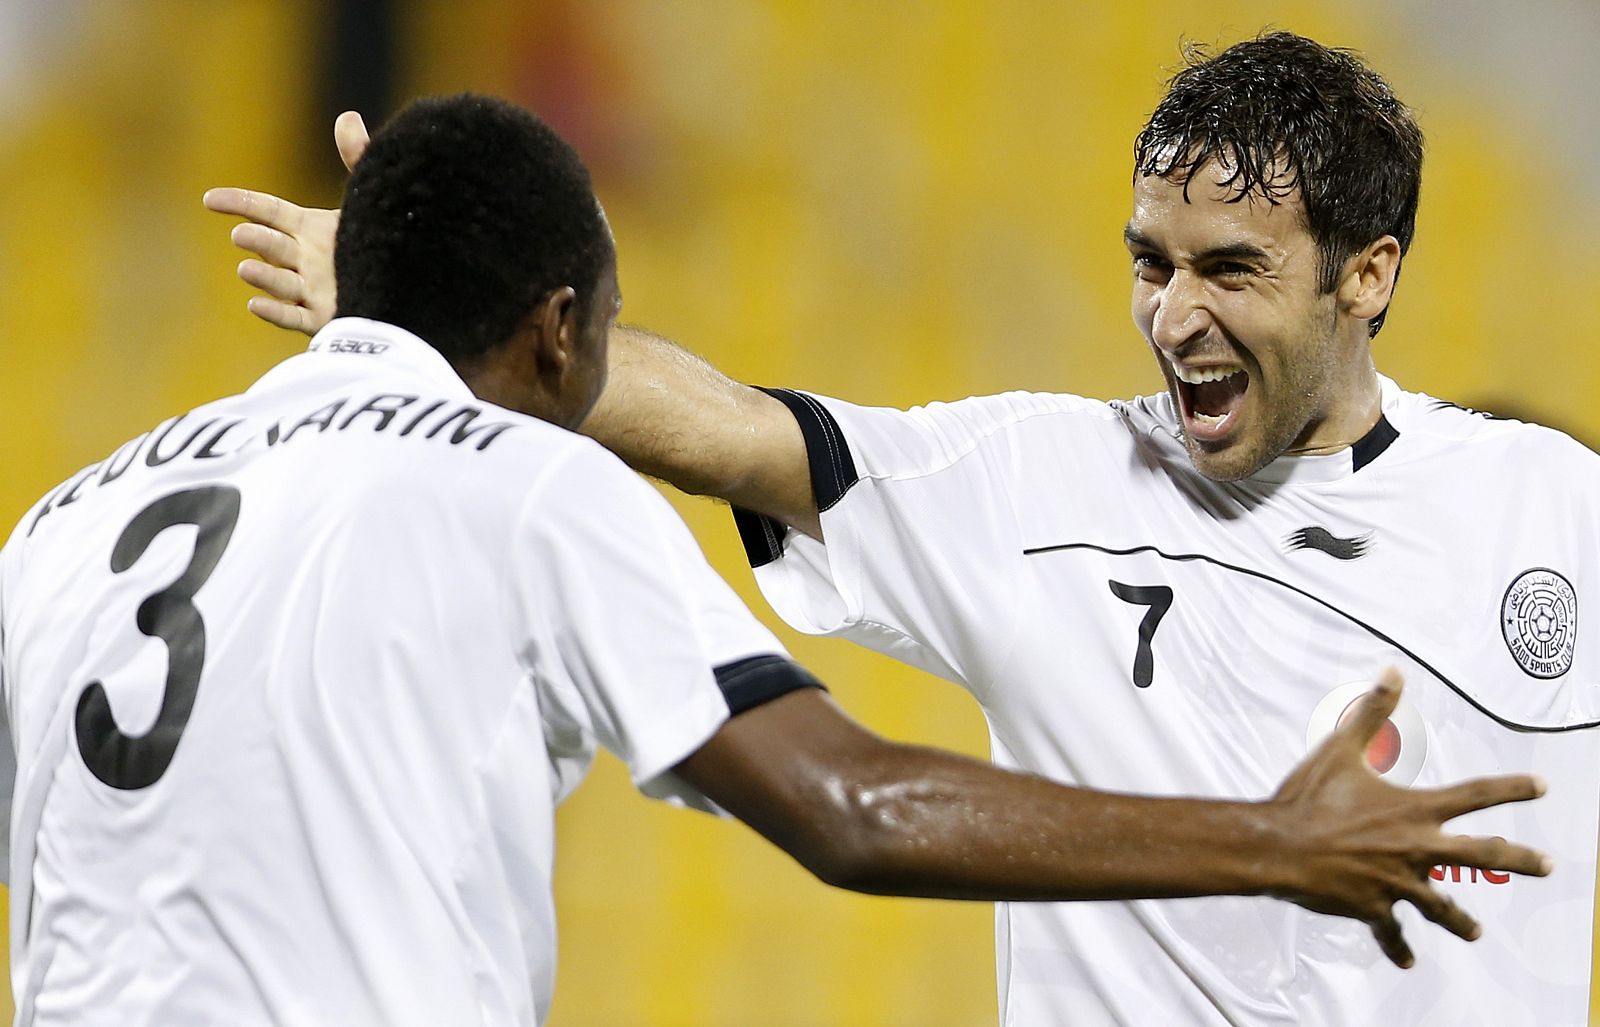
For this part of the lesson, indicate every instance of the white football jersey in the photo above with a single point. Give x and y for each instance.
(1128, 624)
(297, 679)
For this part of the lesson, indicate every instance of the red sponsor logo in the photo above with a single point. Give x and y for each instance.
(1384, 751)
(1398, 748)
(1472, 875)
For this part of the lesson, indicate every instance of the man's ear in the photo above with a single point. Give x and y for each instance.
(557, 332)
(1369, 277)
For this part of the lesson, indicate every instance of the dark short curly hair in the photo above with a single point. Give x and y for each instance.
(463, 213)
(1284, 113)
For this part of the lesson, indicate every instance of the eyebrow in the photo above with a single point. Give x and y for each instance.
(1228, 251)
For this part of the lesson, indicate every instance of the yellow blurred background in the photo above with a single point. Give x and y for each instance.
(886, 202)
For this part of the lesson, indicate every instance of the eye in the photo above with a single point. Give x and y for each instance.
(1232, 269)
(1151, 268)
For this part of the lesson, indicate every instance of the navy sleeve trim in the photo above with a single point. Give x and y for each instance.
(762, 536)
(751, 682)
(833, 471)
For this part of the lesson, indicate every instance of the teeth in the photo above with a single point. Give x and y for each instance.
(1200, 375)
(1209, 419)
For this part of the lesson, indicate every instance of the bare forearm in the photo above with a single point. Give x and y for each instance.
(671, 415)
(959, 829)
(946, 827)
(871, 815)
(865, 813)
(658, 404)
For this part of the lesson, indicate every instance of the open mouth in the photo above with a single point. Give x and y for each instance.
(1211, 399)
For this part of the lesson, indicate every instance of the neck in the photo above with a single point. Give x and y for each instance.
(1330, 447)
(515, 386)
(1360, 407)
(493, 386)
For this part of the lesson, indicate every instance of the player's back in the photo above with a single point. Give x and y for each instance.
(279, 757)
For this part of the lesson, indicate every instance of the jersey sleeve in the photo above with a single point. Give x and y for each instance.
(634, 639)
(8, 777)
(920, 517)
(8, 749)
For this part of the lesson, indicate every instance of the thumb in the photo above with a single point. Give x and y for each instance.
(1371, 710)
(350, 136)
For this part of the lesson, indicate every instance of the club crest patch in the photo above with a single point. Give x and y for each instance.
(1539, 618)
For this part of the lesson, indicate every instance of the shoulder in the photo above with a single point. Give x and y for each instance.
(495, 445)
(572, 477)
(17, 544)
(889, 442)
(1482, 440)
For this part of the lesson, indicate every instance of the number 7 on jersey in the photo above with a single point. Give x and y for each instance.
(1159, 599)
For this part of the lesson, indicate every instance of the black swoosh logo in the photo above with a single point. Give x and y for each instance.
(1325, 541)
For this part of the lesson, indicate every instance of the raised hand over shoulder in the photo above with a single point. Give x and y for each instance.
(293, 266)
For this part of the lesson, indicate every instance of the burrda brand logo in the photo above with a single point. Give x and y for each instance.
(1539, 619)
(1325, 541)
(1400, 747)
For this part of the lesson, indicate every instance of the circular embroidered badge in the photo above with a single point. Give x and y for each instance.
(1539, 619)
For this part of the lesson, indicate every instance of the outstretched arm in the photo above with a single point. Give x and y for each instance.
(665, 411)
(673, 416)
(874, 816)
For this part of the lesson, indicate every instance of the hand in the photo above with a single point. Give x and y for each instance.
(295, 243)
(1364, 844)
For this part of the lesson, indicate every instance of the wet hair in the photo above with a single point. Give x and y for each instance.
(464, 213)
(1282, 112)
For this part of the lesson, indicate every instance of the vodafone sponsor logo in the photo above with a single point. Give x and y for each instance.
(1400, 747)
(1468, 875)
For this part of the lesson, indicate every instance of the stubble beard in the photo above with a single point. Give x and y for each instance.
(1282, 427)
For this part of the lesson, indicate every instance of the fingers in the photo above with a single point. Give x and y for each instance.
(278, 283)
(350, 136)
(283, 315)
(262, 208)
(1442, 910)
(1370, 711)
(1392, 941)
(1496, 854)
(268, 243)
(224, 201)
(1484, 792)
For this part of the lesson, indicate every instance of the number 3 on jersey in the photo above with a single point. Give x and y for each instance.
(130, 762)
(1159, 599)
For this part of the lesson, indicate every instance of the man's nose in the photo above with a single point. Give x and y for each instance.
(1181, 313)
